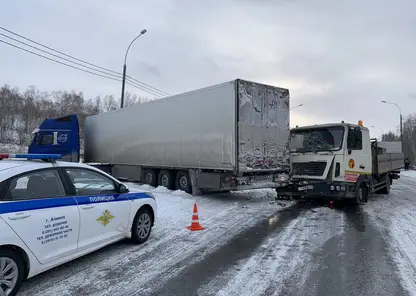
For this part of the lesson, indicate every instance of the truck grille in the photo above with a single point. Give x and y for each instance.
(309, 168)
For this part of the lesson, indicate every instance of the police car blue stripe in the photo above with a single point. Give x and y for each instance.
(138, 195)
(46, 203)
(36, 204)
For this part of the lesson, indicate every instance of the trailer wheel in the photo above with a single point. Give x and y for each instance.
(149, 177)
(166, 179)
(183, 182)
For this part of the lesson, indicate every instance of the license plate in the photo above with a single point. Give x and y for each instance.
(303, 188)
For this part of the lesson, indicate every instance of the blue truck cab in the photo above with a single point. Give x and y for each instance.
(58, 136)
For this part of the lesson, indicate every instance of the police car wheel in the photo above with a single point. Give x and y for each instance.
(11, 272)
(142, 226)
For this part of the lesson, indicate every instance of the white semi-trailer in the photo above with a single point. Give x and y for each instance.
(229, 136)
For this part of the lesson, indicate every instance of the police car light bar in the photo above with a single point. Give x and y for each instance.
(29, 156)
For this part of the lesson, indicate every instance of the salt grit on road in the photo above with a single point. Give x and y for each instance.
(395, 216)
(125, 269)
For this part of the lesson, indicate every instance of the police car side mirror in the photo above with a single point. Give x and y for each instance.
(123, 189)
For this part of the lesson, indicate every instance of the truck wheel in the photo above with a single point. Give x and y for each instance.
(166, 179)
(142, 226)
(361, 196)
(149, 177)
(183, 182)
(11, 272)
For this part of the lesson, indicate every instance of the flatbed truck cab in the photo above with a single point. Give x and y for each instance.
(57, 136)
(339, 161)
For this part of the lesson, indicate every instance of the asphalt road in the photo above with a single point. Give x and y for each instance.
(303, 249)
(310, 250)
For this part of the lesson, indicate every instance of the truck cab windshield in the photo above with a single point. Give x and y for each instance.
(317, 139)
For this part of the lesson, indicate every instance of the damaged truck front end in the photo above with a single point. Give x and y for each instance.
(316, 159)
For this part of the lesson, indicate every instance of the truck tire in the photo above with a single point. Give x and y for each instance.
(166, 179)
(150, 177)
(9, 259)
(361, 196)
(183, 182)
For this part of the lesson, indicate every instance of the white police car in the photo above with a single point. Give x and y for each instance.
(53, 212)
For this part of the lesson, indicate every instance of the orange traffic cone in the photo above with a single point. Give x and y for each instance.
(195, 221)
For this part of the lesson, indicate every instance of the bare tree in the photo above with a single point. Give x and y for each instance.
(21, 113)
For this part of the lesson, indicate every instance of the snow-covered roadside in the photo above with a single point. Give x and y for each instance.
(411, 174)
(126, 269)
(394, 215)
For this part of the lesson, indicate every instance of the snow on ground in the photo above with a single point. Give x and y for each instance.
(395, 216)
(124, 269)
(282, 256)
(411, 174)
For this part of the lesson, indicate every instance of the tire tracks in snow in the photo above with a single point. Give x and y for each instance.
(250, 263)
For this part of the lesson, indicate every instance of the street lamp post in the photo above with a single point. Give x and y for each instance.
(382, 132)
(401, 118)
(125, 67)
(300, 105)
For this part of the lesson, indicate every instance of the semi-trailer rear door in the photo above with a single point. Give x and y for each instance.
(263, 127)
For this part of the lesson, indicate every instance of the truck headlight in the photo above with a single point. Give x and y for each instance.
(282, 178)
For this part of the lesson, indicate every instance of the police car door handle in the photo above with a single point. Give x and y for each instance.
(87, 207)
(17, 217)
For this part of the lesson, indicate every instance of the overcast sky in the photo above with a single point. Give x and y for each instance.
(338, 58)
